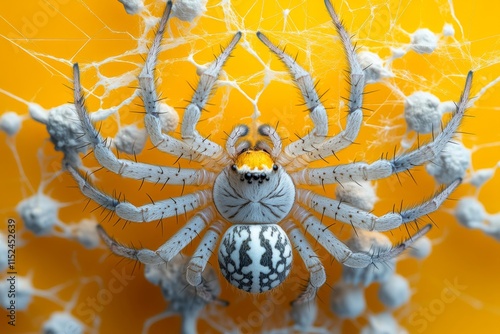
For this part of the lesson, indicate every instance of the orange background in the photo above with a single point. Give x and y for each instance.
(41, 39)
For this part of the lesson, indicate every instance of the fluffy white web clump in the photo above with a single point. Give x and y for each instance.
(10, 123)
(24, 292)
(61, 322)
(130, 139)
(132, 6)
(188, 10)
(470, 212)
(424, 41)
(39, 213)
(451, 164)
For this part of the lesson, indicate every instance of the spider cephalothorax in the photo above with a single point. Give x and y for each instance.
(254, 190)
(257, 194)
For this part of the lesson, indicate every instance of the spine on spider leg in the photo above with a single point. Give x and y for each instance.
(432, 149)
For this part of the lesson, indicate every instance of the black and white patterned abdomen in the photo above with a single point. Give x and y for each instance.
(255, 258)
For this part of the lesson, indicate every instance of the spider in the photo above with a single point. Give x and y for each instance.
(255, 189)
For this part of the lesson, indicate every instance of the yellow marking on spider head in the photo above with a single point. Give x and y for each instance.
(254, 162)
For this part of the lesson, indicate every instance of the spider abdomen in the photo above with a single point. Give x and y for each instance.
(255, 258)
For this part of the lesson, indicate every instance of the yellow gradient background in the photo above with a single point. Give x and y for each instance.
(41, 39)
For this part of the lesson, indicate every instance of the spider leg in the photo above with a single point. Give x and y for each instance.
(202, 254)
(186, 234)
(145, 213)
(131, 169)
(311, 260)
(355, 101)
(270, 132)
(192, 114)
(383, 168)
(169, 249)
(89, 191)
(317, 113)
(361, 219)
(141, 255)
(238, 132)
(340, 251)
(174, 246)
(152, 122)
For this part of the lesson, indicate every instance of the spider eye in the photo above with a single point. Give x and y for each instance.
(254, 165)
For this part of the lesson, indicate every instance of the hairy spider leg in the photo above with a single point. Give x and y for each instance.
(127, 168)
(175, 245)
(357, 84)
(361, 171)
(193, 146)
(358, 218)
(317, 111)
(162, 141)
(192, 114)
(336, 248)
(317, 275)
(146, 213)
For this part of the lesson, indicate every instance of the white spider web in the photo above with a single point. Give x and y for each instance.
(109, 51)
